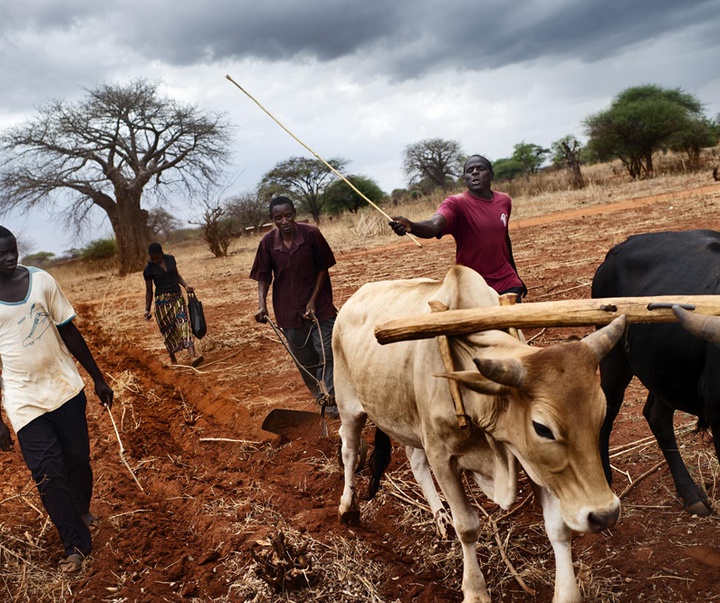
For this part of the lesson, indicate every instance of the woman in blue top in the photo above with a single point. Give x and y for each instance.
(170, 308)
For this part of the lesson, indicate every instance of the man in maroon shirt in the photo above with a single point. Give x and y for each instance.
(295, 258)
(478, 221)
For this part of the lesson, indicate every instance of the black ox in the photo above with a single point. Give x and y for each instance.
(679, 364)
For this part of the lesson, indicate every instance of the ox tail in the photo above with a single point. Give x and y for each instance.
(379, 460)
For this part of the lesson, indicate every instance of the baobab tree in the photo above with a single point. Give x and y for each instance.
(116, 148)
(434, 160)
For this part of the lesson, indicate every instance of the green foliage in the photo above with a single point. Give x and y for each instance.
(640, 121)
(529, 156)
(303, 180)
(99, 249)
(435, 161)
(698, 134)
(41, 259)
(507, 168)
(339, 196)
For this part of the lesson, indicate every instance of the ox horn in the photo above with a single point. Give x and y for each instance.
(604, 340)
(510, 372)
(702, 326)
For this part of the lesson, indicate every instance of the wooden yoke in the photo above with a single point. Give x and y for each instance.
(444, 345)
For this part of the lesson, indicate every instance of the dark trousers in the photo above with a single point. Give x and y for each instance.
(56, 449)
(307, 345)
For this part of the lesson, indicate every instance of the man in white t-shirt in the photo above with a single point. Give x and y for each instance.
(43, 397)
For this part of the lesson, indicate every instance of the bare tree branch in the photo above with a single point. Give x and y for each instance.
(113, 149)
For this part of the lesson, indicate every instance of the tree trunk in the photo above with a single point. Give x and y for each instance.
(573, 162)
(649, 164)
(129, 222)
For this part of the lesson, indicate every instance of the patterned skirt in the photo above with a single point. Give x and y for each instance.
(172, 318)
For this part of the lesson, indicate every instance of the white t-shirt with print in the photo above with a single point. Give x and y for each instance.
(38, 372)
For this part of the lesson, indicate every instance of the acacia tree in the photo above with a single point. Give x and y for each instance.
(436, 160)
(529, 156)
(248, 209)
(693, 138)
(161, 223)
(640, 121)
(566, 153)
(109, 150)
(304, 180)
(339, 196)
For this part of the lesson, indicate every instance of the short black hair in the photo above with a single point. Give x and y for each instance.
(5, 233)
(280, 201)
(154, 248)
(485, 159)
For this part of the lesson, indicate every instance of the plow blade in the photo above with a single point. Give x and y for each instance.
(294, 424)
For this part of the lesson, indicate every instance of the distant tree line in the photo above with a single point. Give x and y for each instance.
(127, 150)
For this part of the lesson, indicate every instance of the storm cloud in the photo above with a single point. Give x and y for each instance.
(363, 79)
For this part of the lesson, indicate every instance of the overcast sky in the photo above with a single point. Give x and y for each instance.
(358, 79)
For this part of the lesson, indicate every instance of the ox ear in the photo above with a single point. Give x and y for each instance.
(509, 372)
(604, 340)
(702, 326)
(476, 382)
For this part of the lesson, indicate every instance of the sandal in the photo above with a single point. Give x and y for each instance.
(91, 521)
(197, 361)
(72, 564)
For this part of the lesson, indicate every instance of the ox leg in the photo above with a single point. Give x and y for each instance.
(615, 376)
(467, 528)
(560, 537)
(660, 418)
(423, 476)
(350, 434)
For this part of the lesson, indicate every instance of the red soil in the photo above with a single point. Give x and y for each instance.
(190, 534)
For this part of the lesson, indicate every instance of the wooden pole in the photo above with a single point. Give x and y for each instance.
(338, 174)
(122, 451)
(564, 313)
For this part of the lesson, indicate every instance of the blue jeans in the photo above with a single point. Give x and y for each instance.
(307, 345)
(56, 449)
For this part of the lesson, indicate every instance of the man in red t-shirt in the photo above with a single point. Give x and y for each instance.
(296, 258)
(478, 221)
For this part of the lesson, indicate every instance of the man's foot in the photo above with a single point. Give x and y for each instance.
(173, 359)
(72, 564)
(197, 361)
(91, 521)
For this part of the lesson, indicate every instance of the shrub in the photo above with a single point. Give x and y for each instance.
(41, 259)
(100, 249)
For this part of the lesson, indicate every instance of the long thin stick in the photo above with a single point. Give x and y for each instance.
(122, 450)
(350, 184)
(503, 554)
(641, 478)
(230, 440)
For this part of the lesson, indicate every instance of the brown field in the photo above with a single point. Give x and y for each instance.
(217, 490)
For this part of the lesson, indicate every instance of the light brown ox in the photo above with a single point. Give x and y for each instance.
(543, 406)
